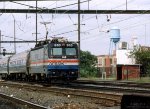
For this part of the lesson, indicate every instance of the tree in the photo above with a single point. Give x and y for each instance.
(87, 64)
(142, 57)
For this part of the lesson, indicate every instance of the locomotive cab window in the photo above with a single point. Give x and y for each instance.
(56, 51)
(70, 51)
(62, 49)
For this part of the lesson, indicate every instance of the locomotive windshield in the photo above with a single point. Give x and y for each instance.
(70, 51)
(56, 51)
(59, 50)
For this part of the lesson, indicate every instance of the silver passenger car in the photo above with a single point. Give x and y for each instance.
(18, 64)
(4, 67)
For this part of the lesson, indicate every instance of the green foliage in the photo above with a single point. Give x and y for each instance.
(87, 64)
(143, 57)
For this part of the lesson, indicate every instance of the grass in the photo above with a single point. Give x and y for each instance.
(97, 79)
(138, 80)
(141, 80)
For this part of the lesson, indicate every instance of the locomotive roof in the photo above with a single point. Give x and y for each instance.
(54, 41)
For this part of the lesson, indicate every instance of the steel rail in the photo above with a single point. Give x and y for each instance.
(115, 83)
(22, 102)
(105, 95)
(104, 98)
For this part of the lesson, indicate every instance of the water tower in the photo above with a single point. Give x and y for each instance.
(115, 35)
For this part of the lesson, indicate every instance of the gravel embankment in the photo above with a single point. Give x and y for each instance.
(53, 100)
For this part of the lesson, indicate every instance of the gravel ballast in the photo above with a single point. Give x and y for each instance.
(51, 100)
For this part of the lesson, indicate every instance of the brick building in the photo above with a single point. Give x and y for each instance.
(121, 63)
(106, 63)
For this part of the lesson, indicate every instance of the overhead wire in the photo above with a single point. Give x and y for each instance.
(117, 22)
(67, 5)
(40, 8)
(110, 23)
(61, 33)
(53, 35)
(123, 4)
(135, 25)
(111, 9)
(121, 29)
(48, 8)
(80, 2)
(59, 7)
(92, 29)
(2, 14)
(18, 24)
(13, 38)
(113, 22)
(97, 22)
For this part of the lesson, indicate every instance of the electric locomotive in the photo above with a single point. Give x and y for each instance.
(48, 60)
(55, 59)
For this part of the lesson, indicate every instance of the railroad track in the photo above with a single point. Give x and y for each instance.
(121, 87)
(22, 102)
(115, 83)
(104, 98)
(105, 93)
(111, 88)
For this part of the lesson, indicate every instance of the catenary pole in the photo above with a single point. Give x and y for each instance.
(79, 30)
(36, 21)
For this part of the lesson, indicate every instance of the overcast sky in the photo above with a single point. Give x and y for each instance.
(93, 35)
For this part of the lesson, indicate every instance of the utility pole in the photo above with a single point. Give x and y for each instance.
(79, 30)
(126, 4)
(36, 21)
(14, 36)
(35, 34)
(88, 5)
